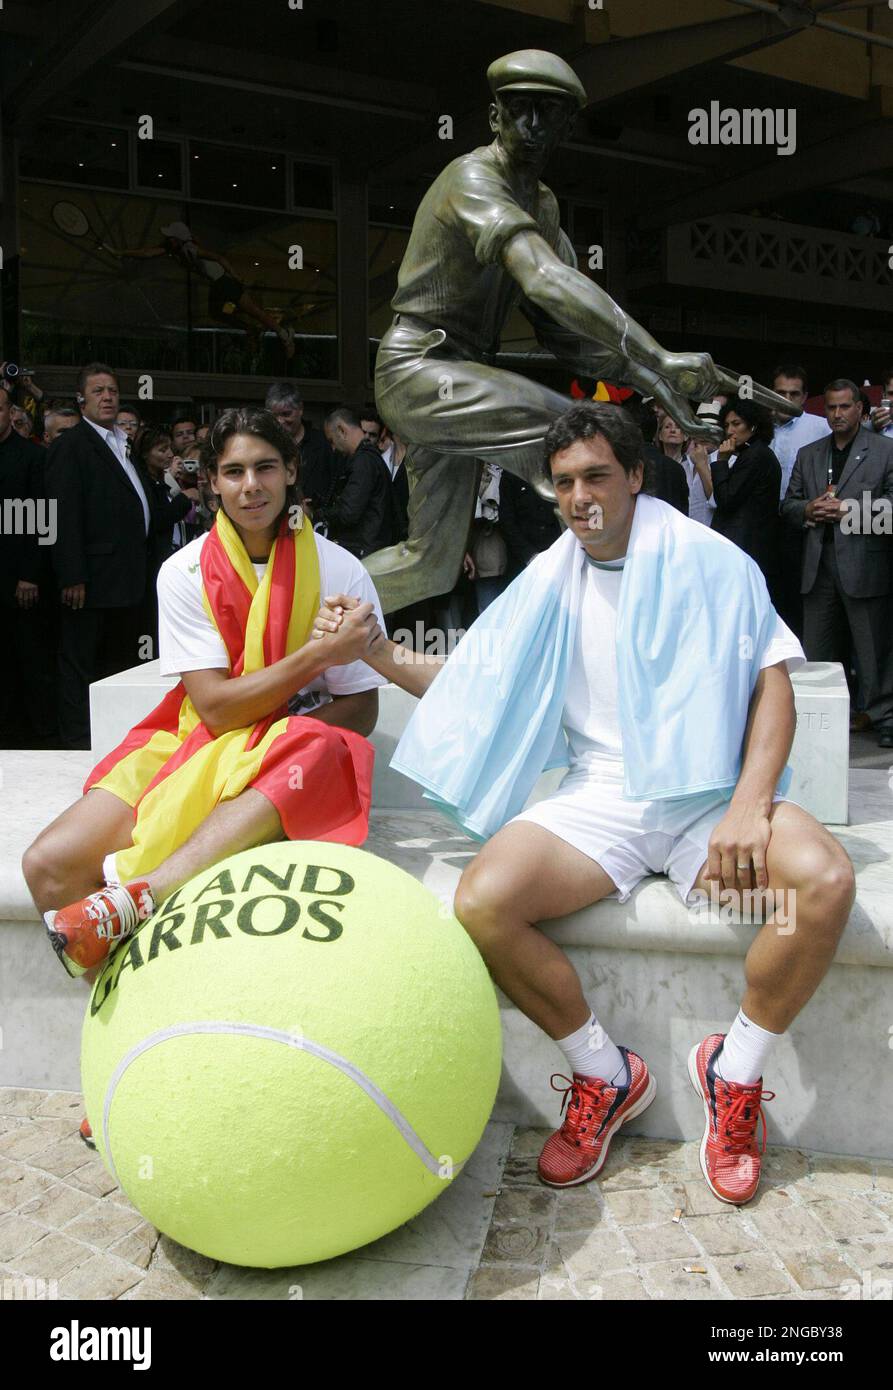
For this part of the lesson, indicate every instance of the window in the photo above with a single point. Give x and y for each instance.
(67, 152)
(386, 249)
(312, 186)
(159, 165)
(227, 174)
(175, 312)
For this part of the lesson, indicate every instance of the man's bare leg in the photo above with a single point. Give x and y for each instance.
(810, 892)
(522, 876)
(815, 879)
(249, 819)
(65, 861)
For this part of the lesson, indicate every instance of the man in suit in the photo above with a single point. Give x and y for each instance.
(102, 549)
(393, 451)
(360, 513)
(846, 563)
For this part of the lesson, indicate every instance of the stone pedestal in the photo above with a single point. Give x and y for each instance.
(820, 756)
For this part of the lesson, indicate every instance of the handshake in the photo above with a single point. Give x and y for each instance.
(349, 630)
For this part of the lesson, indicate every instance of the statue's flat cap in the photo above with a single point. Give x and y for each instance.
(534, 70)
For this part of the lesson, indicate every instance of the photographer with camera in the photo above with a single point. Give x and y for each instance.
(26, 398)
(192, 473)
(153, 452)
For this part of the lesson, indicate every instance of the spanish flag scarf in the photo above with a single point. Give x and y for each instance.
(173, 771)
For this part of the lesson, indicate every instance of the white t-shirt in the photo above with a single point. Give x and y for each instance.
(591, 717)
(189, 641)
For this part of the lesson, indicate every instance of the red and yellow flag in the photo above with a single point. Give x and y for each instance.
(173, 771)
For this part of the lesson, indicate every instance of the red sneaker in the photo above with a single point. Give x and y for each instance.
(86, 1134)
(577, 1151)
(85, 933)
(730, 1158)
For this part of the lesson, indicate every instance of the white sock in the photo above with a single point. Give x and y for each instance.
(590, 1052)
(745, 1051)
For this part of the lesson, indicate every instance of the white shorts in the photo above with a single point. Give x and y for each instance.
(631, 839)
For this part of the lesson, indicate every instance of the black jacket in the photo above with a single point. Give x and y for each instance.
(319, 467)
(101, 539)
(526, 520)
(166, 511)
(670, 482)
(360, 515)
(746, 497)
(21, 480)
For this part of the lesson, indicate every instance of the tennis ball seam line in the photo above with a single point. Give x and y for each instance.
(302, 1044)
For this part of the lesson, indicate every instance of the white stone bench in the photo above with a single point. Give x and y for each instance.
(819, 757)
(660, 976)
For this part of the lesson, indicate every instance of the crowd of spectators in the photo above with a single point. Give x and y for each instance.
(124, 492)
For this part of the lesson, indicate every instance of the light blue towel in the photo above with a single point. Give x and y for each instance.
(693, 621)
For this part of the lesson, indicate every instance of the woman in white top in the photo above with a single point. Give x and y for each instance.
(694, 459)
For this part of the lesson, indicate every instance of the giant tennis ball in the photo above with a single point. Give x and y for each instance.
(297, 1053)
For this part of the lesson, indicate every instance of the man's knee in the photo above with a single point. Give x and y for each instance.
(482, 904)
(825, 885)
(41, 868)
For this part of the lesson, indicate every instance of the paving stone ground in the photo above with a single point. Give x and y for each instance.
(820, 1227)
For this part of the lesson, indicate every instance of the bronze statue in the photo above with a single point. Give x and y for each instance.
(486, 237)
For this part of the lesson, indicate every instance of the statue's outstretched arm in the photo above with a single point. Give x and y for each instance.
(559, 292)
(587, 357)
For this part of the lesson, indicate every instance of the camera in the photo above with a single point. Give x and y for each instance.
(12, 370)
(189, 466)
